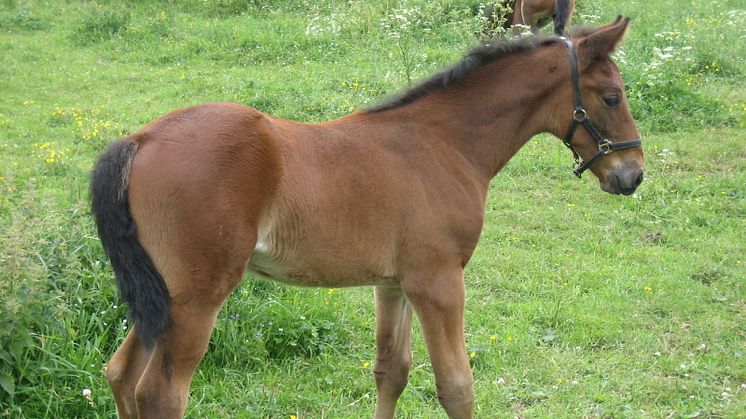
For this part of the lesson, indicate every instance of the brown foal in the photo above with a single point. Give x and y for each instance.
(392, 197)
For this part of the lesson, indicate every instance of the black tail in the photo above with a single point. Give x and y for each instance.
(140, 284)
(562, 12)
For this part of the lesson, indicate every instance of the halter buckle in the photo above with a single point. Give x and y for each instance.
(605, 147)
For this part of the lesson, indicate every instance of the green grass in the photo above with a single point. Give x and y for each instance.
(580, 304)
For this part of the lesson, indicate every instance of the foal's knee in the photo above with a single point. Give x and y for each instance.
(392, 374)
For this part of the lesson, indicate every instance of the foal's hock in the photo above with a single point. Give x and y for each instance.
(392, 196)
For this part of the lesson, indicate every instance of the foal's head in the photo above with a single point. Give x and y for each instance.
(613, 152)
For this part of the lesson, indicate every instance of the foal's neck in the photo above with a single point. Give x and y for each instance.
(493, 112)
(509, 102)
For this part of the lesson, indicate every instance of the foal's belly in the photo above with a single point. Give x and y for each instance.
(344, 273)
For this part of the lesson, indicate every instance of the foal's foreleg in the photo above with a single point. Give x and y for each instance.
(439, 304)
(393, 354)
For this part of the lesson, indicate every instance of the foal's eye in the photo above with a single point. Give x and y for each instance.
(611, 101)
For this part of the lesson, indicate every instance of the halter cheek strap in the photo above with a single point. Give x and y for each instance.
(580, 117)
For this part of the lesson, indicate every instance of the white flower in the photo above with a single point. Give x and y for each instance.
(86, 392)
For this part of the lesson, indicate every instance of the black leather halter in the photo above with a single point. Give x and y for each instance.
(580, 117)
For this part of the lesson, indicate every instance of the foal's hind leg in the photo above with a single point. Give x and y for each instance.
(202, 259)
(196, 197)
(393, 355)
(124, 371)
(200, 275)
(163, 389)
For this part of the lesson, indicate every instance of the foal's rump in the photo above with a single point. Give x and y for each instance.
(180, 199)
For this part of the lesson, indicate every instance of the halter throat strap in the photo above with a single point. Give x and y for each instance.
(580, 117)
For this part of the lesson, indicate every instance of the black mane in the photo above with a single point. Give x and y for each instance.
(484, 54)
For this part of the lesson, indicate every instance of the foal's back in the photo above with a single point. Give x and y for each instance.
(334, 204)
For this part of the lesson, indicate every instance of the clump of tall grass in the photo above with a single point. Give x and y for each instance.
(15, 17)
(100, 23)
(53, 319)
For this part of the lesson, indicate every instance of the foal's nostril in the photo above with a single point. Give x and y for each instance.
(638, 180)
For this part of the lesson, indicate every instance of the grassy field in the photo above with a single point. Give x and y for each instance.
(580, 304)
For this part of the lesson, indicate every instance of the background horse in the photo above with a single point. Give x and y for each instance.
(535, 14)
(392, 197)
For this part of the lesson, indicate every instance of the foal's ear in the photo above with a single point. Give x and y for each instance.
(602, 42)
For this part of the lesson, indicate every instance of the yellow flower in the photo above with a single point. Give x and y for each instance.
(472, 354)
(648, 289)
(366, 364)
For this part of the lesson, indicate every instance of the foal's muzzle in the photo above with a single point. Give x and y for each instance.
(623, 180)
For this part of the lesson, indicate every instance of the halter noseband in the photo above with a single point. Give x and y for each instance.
(580, 117)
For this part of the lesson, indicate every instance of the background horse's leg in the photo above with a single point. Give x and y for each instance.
(562, 15)
(439, 303)
(518, 17)
(393, 353)
(124, 371)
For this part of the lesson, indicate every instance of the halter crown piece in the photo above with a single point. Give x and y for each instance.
(580, 117)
